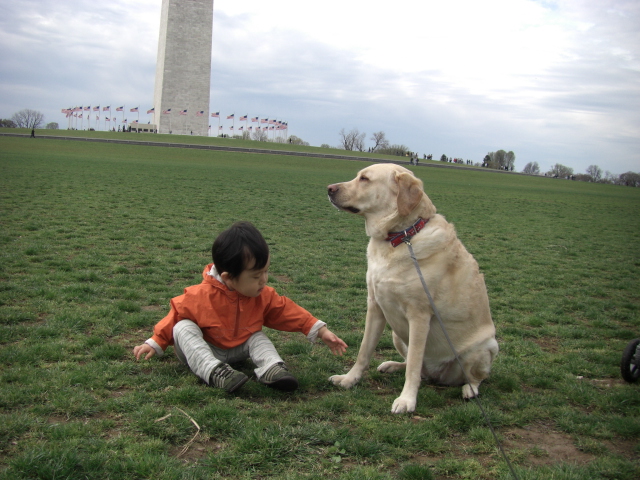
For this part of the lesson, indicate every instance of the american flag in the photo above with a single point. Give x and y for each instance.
(183, 112)
(80, 116)
(241, 128)
(151, 110)
(216, 115)
(96, 109)
(106, 109)
(254, 119)
(124, 121)
(134, 110)
(244, 118)
(230, 116)
(166, 112)
(200, 113)
(220, 127)
(231, 127)
(87, 109)
(264, 120)
(108, 119)
(120, 109)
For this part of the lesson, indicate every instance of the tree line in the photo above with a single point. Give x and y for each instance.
(594, 174)
(26, 118)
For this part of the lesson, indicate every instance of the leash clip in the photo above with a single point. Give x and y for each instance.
(407, 240)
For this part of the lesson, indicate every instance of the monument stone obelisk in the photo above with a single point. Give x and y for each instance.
(183, 70)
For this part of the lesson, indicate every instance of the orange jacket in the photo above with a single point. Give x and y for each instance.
(227, 319)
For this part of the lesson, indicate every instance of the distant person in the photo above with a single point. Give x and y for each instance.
(220, 321)
(33, 133)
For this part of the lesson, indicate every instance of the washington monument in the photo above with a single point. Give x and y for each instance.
(183, 70)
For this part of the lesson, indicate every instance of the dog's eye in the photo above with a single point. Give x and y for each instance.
(363, 178)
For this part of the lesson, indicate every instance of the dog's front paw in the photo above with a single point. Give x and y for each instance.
(469, 392)
(403, 405)
(344, 381)
(390, 367)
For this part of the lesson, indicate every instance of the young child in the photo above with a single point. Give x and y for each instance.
(220, 321)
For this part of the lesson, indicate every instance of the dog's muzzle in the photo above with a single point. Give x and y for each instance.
(332, 191)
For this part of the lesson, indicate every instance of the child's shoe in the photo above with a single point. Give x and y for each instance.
(279, 377)
(223, 376)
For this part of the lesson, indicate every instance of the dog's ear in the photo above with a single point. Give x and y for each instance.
(410, 193)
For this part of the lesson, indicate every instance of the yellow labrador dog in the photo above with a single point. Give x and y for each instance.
(394, 206)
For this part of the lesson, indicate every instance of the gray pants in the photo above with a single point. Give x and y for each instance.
(202, 357)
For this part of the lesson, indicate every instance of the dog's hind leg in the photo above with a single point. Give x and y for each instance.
(390, 366)
(478, 367)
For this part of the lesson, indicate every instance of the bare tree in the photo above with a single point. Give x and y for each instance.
(595, 172)
(510, 160)
(28, 118)
(294, 140)
(380, 141)
(560, 171)
(500, 160)
(399, 150)
(260, 135)
(630, 179)
(6, 123)
(532, 168)
(358, 144)
(609, 177)
(353, 140)
(497, 159)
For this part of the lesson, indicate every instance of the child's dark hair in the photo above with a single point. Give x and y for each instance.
(234, 249)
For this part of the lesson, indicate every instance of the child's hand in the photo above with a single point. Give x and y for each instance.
(335, 343)
(142, 350)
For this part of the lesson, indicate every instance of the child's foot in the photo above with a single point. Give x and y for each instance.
(279, 377)
(223, 376)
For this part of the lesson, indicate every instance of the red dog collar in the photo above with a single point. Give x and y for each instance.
(396, 238)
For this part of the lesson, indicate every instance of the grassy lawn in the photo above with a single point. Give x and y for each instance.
(97, 238)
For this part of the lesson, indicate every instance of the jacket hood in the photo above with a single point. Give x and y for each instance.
(211, 276)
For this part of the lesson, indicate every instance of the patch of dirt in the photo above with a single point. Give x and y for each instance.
(544, 446)
(152, 308)
(197, 450)
(548, 344)
(603, 382)
(282, 278)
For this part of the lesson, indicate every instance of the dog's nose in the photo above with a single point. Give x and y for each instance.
(332, 189)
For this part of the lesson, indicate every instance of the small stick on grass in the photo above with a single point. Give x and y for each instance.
(188, 444)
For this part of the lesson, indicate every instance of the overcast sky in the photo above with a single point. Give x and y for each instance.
(555, 81)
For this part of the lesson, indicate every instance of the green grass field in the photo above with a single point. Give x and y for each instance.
(97, 238)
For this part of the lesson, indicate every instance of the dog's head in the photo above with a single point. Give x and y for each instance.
(388, 196)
